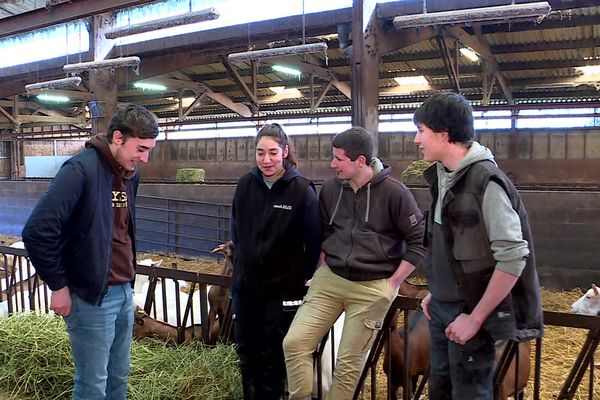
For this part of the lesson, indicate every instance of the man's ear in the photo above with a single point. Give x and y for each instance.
(117, 137)
(362, 160)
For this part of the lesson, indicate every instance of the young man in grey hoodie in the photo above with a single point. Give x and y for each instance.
(480, 264)
(373, 239)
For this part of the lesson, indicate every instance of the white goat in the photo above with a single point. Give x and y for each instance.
(12, 276)
(18, 282)
(142, 285)
(141, 279)
(589, 303)
(327, 359)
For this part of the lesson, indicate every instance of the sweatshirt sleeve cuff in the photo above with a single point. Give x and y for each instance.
(56, 284)
(413, 258)
(511, 267)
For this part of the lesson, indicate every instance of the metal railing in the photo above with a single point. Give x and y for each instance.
(21, 290)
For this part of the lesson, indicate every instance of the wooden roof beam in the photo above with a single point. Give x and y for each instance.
(481, 46)
(200, 88)
(8, 116)
(187, 112)
(318, 101)
(312, 69)
(235, 74)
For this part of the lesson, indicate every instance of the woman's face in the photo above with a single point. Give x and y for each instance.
(269, 156)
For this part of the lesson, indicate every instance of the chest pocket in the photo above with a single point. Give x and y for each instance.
(470, 241)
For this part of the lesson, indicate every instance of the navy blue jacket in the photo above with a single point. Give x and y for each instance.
(276, 233)
(69, 233)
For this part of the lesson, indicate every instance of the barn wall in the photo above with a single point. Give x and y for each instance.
(529, 157)
(5, 161)
(565, 224)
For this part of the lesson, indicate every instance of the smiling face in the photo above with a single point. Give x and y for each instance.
(270, 156)
(129, 151)
(432, 144)
(344, 167)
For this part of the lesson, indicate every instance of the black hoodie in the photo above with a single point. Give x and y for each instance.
(276, 234)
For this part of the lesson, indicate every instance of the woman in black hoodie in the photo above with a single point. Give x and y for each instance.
(276, 231)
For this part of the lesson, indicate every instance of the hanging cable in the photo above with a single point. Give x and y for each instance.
(303, 24)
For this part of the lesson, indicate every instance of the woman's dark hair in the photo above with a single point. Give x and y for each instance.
(447, 112)
(133, 120)
(275, 132)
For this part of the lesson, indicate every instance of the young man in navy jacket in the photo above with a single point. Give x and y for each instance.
(81, 240)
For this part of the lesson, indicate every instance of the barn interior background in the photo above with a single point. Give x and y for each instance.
(530, 69)
(215, 71)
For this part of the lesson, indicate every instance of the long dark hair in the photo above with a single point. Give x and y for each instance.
(275, 132)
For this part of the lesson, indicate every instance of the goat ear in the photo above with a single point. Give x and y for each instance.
(595, 289)
(218, 249)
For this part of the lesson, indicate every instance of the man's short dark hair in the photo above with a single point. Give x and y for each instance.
(133, 120)
(447, 112)
(355, 142)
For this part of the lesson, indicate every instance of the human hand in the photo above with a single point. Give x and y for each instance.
(395, 283)
(425, 305)
(462, 329)
(60, 302)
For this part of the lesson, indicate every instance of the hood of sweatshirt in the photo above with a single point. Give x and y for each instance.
(447, 179)
(100, 143)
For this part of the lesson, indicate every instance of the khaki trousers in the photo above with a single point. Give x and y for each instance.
(365, 303)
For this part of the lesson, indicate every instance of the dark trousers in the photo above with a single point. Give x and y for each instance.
(260, 326)
(458, 372)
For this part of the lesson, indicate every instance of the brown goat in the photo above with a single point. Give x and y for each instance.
(418, 349)
(218, 296)
(146, 326)
(507, 388)
(419, 358)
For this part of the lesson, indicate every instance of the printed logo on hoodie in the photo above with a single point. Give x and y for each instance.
(283, 207)
(119, 199)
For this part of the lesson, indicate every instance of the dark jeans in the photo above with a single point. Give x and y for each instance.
(458, 372)
(260, 326)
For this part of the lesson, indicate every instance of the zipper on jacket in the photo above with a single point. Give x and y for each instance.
(354, 213)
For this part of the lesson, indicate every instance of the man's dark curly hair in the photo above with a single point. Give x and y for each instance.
(447, 112)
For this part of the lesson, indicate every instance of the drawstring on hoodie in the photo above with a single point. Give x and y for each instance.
(377, 167)
(368, 202)
(336, 205)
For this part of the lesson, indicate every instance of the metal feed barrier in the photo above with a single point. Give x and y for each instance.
(25, 292)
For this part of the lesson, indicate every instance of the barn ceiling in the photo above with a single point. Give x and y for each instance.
(520, 63)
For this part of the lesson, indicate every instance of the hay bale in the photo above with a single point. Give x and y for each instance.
(195, 175)
(36, 364)
(413, 174)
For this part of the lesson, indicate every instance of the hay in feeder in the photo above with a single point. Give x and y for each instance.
(413, 174)
(194, 175)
